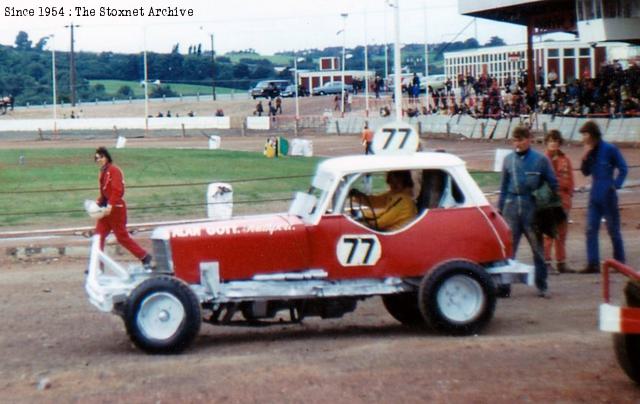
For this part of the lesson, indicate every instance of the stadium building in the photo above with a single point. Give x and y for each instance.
(329, 69)
(560, 61)
(593, 20)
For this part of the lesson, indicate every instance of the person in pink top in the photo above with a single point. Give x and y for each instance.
(564, 173)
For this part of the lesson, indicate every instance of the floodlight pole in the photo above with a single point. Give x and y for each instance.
(386, 48)
(53, 84)
(295, 79)
(146, 84)
(396, 63)
(72, 66)
(366, 65)
(344, 46)
(426, 59)
(213, 70)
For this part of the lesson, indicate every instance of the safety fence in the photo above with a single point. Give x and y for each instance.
(621, 130)
(176, 123)
(626, 129)
(190, 203)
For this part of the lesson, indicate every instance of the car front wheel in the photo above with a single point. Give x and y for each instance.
(162, 315)
(457, 298)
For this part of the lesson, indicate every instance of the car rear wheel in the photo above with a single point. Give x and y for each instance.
(162, 315)
(457, 298)
(404, 308)
(627, 346)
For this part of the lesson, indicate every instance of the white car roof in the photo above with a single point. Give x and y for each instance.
(341, 166)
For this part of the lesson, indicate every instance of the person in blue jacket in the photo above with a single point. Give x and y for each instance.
(601, 160)
(524, 171)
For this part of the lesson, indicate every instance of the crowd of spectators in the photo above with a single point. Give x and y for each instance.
(614, 92)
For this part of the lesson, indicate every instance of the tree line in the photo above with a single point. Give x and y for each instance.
(26, 74)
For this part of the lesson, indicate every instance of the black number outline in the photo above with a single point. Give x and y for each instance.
(392, 133)
(355, 243)
(371, 243)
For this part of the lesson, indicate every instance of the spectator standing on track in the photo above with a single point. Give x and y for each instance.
(599, 161)
(111, 180)
(564, 174)
(272, 111)
(415, 87)
(259, 109)
(377, 86)
(524, 171)
(367, 138)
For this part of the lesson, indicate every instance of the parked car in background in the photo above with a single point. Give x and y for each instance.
(269, 88)
(332, 87)
(290, 91)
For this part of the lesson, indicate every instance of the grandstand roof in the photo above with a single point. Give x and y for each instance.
(548, 15)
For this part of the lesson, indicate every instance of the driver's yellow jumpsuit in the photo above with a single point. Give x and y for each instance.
(393, 210)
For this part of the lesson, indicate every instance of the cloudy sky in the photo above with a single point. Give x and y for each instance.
(265, 25)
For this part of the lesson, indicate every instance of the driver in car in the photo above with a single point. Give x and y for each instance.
(393, 209)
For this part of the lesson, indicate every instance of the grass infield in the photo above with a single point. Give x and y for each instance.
(48, 187)
(112, 86)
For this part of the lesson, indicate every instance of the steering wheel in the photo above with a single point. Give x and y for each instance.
(369, 221)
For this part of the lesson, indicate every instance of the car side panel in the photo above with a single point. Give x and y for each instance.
(242, 248)
(438, 236)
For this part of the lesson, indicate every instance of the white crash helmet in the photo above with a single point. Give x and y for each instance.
(93, 210)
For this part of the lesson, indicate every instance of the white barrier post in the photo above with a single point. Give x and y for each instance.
(219, 201)
(214, 142)
(121, 142)
(499, 159)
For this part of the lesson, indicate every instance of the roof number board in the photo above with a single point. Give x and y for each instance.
(395, 138)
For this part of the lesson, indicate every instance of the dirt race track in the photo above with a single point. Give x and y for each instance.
(55, 347)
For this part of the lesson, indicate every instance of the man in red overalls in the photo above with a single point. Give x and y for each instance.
(115, 214)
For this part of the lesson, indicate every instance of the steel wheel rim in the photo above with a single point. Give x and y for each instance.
(160, 316)
(460, 298)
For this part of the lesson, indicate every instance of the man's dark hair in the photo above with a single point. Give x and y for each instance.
(554, 134)
(404, 176)
(521, 132)
(102, 151)
(592, 129)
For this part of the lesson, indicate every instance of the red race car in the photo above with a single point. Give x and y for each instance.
(442, 266)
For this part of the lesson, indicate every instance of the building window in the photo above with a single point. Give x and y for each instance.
(554, 53)
(569, 52)
(585, 52)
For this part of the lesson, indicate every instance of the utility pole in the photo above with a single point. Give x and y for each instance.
(72, 67)
(213, 70)
(396, 63)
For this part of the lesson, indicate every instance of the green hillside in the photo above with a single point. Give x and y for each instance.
(112, 87)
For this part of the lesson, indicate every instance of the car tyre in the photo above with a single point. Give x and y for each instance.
(162, 315)
(457, 298)
(627, 346)
(503, 290)
(404, 308)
